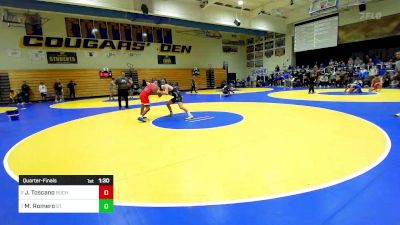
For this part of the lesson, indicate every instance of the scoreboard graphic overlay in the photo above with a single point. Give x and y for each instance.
(66, 194)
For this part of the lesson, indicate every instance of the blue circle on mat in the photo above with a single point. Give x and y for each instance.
(116, 100)
(346, 93)
(201, 120)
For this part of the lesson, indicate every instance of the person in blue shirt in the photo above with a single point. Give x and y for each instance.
(287, 78)
(364, 73)
(382, 70)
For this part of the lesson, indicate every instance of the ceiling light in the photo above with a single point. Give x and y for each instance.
(240, 2)
(94, 31)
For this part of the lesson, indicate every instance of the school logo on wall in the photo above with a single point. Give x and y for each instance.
(166, 48)
(166, 59)
(94, 44)
(98, 35)
(62, 58)
(80, 43)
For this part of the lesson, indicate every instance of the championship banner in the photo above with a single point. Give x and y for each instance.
(260, 71)
(166, 59)
(62, 58)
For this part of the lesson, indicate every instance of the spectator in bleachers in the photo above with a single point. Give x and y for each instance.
(43, 91)
(370, 63)
(364, 73)
(323, 81)
(20, 97)
(373, 71)
(350, 62)
(13, 97)
(357, 62)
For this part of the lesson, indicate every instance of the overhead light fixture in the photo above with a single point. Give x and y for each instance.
(144, 34)
(240, 2)
(203, 3)
(144, 9)
(237, 22)
(94, 31)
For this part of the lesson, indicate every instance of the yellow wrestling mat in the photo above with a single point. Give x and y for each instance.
(104, 102)
(240, 91)
(385, 95)
(5, 109)
(292, 150)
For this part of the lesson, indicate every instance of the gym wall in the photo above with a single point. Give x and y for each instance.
(28, 62)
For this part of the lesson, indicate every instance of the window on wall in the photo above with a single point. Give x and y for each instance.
(86, 28)
(102, 31)
(137, 33)
(167, 36)
(158, 35)
(126, 32)
(33, 25)
(148, 34)
(73, 27)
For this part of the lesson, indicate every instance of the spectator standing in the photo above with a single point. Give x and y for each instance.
(43, 91)
(144, 84)
(311, 84)
(25, 92)
(194, 84)
(248, 80)
(253, 80)
(111, 87)
(58, 90)
(71, 86)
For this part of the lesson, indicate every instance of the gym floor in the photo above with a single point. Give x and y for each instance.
(260, 156)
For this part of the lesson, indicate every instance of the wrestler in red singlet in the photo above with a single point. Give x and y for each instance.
(150, 89)
(147, 91)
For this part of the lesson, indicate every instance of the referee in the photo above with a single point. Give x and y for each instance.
(123, 85)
